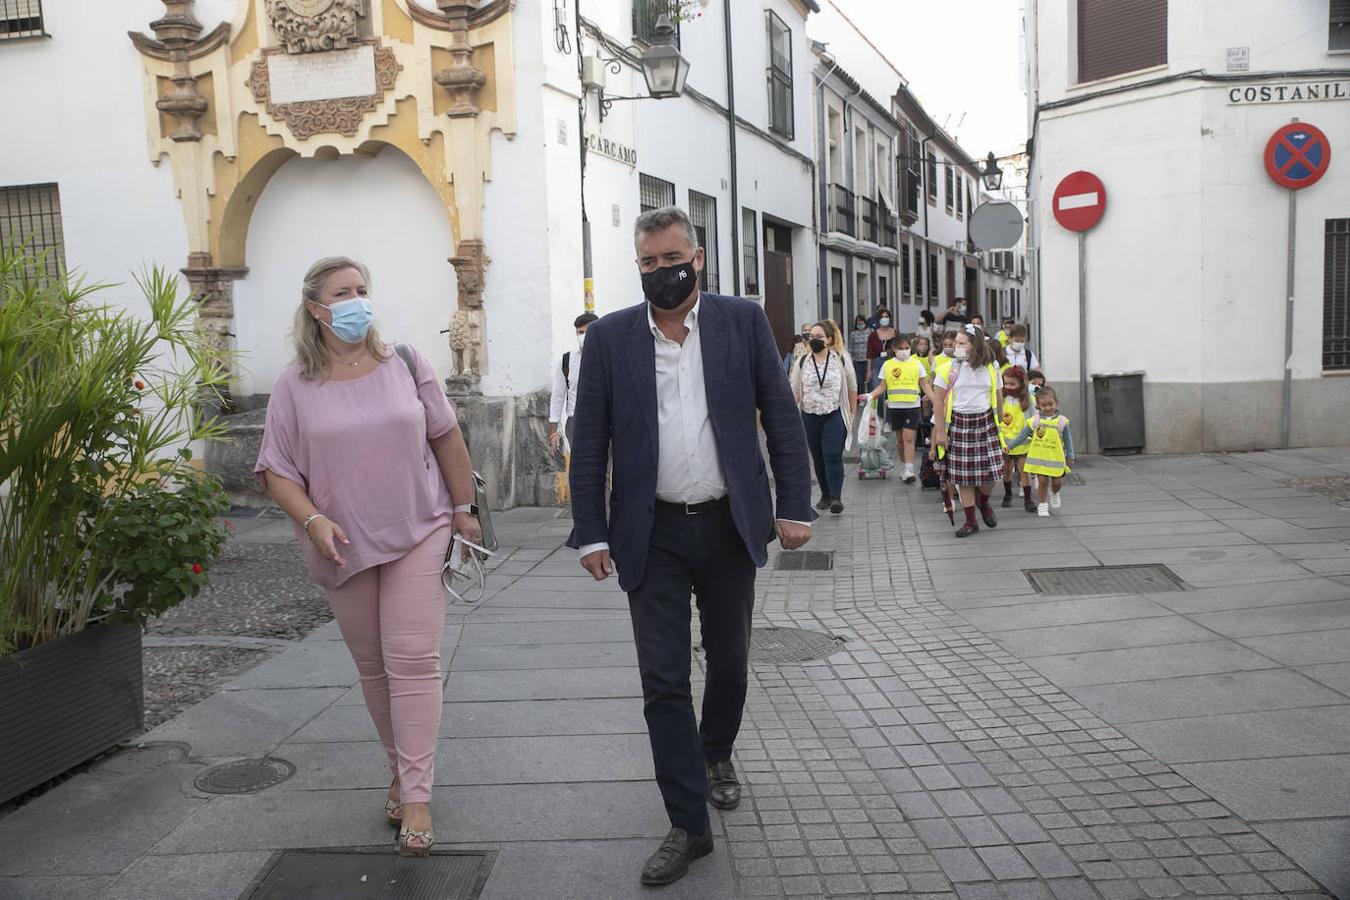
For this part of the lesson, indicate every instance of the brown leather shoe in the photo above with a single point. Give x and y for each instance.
(671, 861)
(724, 788)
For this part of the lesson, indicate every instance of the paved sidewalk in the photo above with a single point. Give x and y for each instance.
(970, 737)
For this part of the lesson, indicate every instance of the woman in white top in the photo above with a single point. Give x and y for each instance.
(826, 389)
(964, 400)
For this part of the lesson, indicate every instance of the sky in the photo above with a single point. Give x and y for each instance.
(961, 58)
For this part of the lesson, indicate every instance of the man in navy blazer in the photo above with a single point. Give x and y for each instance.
(677, 388)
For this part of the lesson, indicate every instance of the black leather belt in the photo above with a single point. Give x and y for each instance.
(695, 509)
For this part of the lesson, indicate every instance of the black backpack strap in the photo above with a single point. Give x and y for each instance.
(405, 354)
(567, 369)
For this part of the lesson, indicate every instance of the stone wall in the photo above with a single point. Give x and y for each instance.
(507, 439)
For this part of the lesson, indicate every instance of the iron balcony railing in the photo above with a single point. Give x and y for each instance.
(867, 219)
(842, 210)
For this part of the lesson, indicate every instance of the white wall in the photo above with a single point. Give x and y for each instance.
(381, 211)
(87, 134)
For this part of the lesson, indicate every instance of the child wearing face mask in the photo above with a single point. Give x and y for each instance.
(1002, 335)
(1049, 454)
(857, 348)
(1016, 406)
(1019, 354)
(943, 361)
(904, 382)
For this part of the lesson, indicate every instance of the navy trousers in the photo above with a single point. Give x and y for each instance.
(702, 555)
(825, 436)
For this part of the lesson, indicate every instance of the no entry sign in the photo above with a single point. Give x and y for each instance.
(1297, 155)
(1079, 201)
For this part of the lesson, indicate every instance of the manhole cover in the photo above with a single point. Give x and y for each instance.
(375, 872)
(564, 513)
(790, 645)
(246, 776)
(804, 561)
(1142, 579)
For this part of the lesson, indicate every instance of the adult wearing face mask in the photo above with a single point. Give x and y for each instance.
(672, 389)
(363, 451)
(955, 314)
(879, 346)
(563, 399)
(824, 388)
(857, 348)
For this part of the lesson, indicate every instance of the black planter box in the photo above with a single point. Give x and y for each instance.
(66, 701)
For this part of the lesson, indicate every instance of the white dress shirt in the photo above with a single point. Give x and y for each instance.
(688, 465)
(1024, 358)
(562, 402)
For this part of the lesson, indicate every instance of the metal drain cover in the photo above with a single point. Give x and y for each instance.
(376, 872)
(1142, 579)
(246, 776)
(804, 561)
(777, 646)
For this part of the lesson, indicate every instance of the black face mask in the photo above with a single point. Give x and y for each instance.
(817, 345)
(669, 286)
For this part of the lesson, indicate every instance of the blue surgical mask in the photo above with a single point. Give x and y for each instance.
(351, 319)
(884, 321)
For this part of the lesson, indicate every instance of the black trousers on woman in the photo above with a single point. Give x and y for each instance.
(703, 555)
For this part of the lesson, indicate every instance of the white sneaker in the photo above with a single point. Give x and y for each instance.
(909, 473)
(1054, 500)
(1043, 510)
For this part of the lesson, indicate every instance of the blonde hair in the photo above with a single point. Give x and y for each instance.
(311, 353)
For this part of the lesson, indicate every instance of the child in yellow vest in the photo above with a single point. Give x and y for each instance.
(1049, 449)
(904, 383)
(1016, 406)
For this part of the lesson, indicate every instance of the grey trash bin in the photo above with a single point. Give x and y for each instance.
(1119, 400)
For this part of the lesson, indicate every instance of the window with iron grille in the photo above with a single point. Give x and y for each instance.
(654, 193)
(1120, 36)
(918, 274)
(932, 278)
(750, 252)
(932, 179)
(30, 217)
(645, 14)
(780, 76)
(1339, 39)
(906, 283)
(960, 197)
(703, 213)
(951, 191)
(21, 19)
(911, 173)
(1336, 297)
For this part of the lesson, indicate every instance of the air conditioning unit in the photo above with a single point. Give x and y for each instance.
(592, 73)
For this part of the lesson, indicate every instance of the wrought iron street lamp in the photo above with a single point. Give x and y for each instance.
(991, 173)
(663, 68)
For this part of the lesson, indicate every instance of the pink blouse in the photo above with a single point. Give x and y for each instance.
(359, 448)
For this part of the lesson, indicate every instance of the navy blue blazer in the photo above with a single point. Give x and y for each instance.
(616, 407)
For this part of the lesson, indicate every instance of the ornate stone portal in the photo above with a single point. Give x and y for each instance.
(324, 78)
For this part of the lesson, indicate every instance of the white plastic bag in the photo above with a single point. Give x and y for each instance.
(869, 437)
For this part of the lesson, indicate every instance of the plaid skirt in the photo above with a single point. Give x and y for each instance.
(974, 455)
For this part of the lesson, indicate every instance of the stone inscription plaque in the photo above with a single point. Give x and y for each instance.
(330, 75)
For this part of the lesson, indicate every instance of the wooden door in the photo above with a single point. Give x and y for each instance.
(778, 297)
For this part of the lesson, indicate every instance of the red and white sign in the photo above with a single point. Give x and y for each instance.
(1297, 155)
(1079, 201)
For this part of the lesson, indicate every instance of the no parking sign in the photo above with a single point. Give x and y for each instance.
(1297, 155)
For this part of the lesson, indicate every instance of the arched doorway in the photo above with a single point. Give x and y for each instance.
(380, 210)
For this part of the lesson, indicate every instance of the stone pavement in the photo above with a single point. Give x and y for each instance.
(971, 737)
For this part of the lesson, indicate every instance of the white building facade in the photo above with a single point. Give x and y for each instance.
(471, 151)
(1186, 271)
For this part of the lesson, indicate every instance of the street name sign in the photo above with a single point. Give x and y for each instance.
(996, 225)
(1297, 155)
(1079, 201)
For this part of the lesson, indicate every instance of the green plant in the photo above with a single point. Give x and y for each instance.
(160, 540)
(97, 408)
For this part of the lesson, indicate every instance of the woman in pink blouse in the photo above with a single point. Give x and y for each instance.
(372, 467)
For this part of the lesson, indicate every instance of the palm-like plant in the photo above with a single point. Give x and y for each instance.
(97, 406)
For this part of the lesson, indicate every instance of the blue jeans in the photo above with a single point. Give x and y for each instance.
(825, 435)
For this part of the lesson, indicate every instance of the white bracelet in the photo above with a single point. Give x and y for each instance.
(463, 508)
(310, 519)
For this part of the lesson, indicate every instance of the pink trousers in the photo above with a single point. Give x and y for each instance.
(391, 617)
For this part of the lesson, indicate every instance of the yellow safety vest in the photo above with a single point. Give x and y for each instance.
(1011, 423)
(1002, 337)
(1045, 455)
(942, 363)
(902, 380)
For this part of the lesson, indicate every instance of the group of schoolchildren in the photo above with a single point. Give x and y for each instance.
(978, 410)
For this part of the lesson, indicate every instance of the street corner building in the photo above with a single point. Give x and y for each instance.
(1188, 275)
(485, 158)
